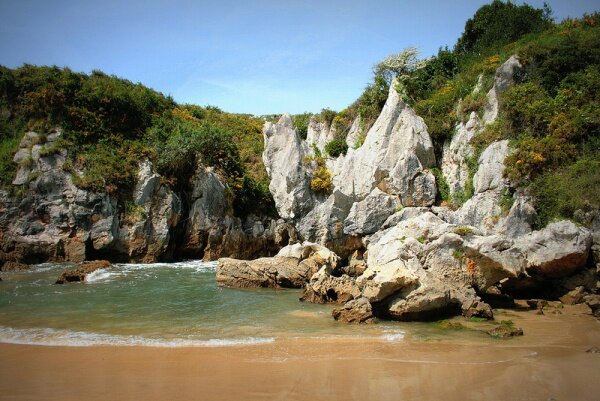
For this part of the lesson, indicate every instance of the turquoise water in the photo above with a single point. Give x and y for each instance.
(174, 304)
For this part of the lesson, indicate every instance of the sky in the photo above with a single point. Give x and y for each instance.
(258, 57)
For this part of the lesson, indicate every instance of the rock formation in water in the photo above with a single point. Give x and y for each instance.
(80, 273)
(420, 260)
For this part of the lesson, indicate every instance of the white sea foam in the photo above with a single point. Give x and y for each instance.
(99, 275)
(53, 337)
(198, 265)
(393, 335)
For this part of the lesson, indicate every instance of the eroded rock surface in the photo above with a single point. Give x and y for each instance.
(292, 267)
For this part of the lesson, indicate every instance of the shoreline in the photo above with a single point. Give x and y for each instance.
(549, 362)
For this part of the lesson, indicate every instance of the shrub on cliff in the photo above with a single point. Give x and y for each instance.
(321, 181)
(336, 147)
(109, 124)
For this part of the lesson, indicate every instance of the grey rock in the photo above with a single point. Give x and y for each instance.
(283, 157)
(354, 134)
(557, 250)
(367, 216)
(491, 167)
(503, 79)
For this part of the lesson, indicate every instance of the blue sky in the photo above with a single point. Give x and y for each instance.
(256, 57)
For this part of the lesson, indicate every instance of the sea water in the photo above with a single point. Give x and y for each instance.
(162, 304)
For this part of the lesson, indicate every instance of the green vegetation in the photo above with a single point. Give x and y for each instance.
(458, 254)
(551, 115)
(336, 147)
(500, 23)
(448, 325)
(300, 122)
(110, 124)
(463, 230)
(443, 193)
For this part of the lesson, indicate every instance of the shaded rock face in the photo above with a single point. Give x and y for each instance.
(389, 170)
(57, 221)
(211, 231)
(147, 236)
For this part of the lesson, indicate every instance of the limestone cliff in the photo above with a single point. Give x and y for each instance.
(420, 260)
(54, 220)
(390, 170)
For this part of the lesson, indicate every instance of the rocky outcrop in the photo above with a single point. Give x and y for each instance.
(292, 267)
(155, 212)
(320, 133)
(80, 273)
(503, 79)
(389, 170)
(284, 157)
(55, 220)
(424, 267)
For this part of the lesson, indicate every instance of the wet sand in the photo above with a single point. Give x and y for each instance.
(549, 362)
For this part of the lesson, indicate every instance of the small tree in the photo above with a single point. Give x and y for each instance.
(399, 64)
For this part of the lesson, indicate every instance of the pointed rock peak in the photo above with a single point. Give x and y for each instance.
(285, 120)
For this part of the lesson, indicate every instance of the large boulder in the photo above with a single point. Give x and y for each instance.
(292, 267)
(558, 250)
(272, 272)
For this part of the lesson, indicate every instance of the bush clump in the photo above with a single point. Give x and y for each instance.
(336, 147)
(321, 181)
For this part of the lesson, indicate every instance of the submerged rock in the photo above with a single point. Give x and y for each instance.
(505, 331)
(80, 273)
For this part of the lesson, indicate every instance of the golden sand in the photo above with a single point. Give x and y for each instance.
(549, 362)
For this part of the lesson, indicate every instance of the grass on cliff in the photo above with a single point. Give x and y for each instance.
(110, 124)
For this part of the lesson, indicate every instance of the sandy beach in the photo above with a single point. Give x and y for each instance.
(549, 362)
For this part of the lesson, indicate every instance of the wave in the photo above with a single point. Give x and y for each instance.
(98, 275)
(53, 337)
(197, 265)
